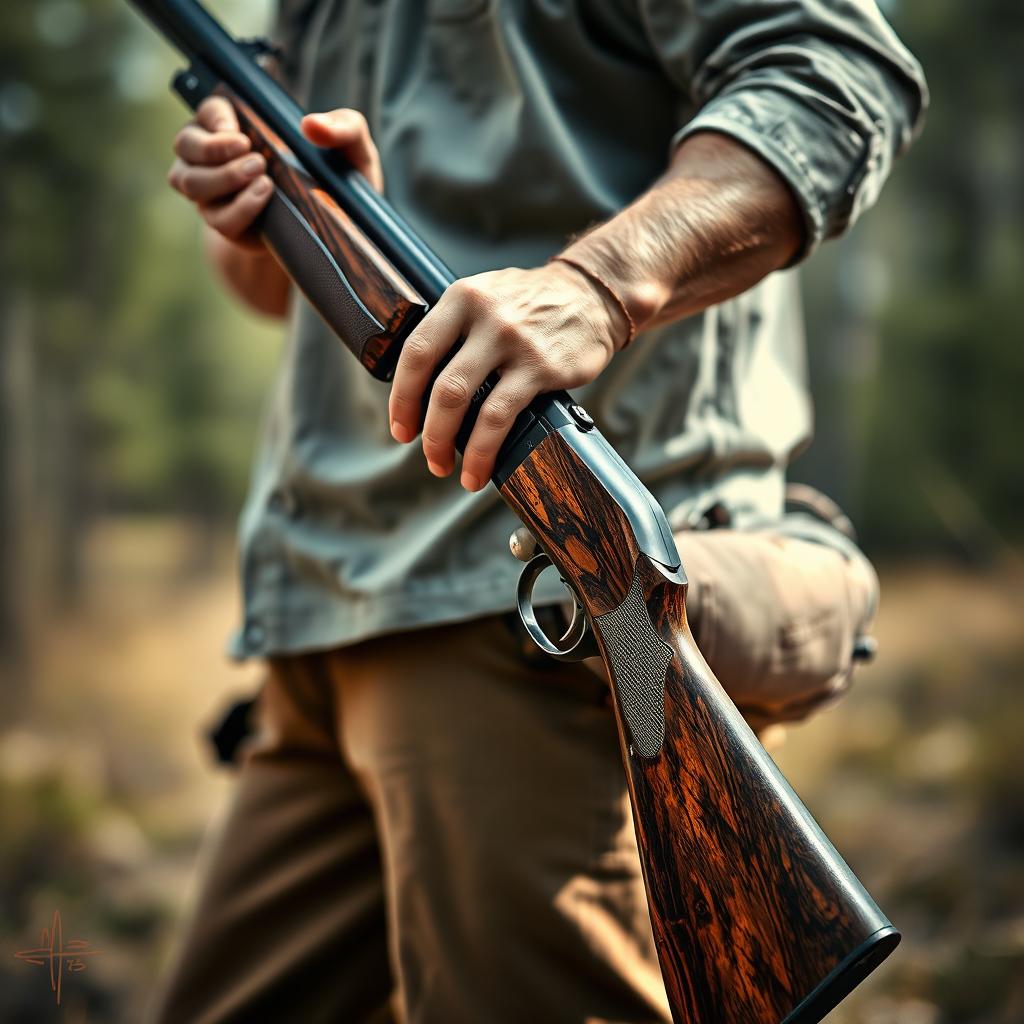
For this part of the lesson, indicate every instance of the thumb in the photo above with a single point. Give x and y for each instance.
(346, 130)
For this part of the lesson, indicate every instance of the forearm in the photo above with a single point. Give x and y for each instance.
(718, 221)
(713, 225)
(251, 274)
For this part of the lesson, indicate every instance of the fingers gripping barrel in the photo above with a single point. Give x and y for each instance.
(359, 293)
(363, 299)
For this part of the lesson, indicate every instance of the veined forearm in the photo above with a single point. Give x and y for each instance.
(712, 226)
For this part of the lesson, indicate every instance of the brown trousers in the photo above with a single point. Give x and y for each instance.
(429, 829)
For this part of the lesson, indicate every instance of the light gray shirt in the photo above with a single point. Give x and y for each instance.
(506, 126)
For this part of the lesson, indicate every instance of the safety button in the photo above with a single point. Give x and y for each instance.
(581, 416)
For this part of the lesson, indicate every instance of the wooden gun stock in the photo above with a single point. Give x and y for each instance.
(757, 918)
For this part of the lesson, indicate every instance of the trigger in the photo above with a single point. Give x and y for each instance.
(577, 642)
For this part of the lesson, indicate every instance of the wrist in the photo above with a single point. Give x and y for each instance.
(251, 273)
(640, 299)
(248, 248)
(622, 324)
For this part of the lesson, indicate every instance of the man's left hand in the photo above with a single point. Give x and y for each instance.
(542, 330)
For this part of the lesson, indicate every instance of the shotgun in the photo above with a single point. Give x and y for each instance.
(757, 918)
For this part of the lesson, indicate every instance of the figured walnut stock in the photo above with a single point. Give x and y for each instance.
(348, 277)
(751, 906)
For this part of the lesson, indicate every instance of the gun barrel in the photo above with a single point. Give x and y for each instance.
(200, 38)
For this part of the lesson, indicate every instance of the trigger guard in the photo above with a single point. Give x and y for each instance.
(577, 641)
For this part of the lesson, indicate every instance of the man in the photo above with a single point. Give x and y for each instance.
(430, 826)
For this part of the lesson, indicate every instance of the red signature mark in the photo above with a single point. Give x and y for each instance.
(59, 956)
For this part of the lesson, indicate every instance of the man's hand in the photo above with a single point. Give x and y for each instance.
(712, 226)
(216, 169)
(541, 330)
(348, 131)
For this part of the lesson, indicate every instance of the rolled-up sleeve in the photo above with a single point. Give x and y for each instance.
(823, 90)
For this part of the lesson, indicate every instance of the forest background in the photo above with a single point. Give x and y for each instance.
(130, 395)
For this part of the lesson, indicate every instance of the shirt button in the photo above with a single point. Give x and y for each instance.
(255, 634)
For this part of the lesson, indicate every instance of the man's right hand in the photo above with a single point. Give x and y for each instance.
(216, 169)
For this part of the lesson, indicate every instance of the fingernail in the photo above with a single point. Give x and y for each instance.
(470, 482)
(263, 186)
(400, 432)
(253, 165)
(436, 468)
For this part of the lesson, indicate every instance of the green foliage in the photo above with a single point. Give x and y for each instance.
(942, 413)
(147, 382)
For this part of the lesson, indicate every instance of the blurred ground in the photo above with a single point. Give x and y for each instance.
(917, 779)
(105, 788)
